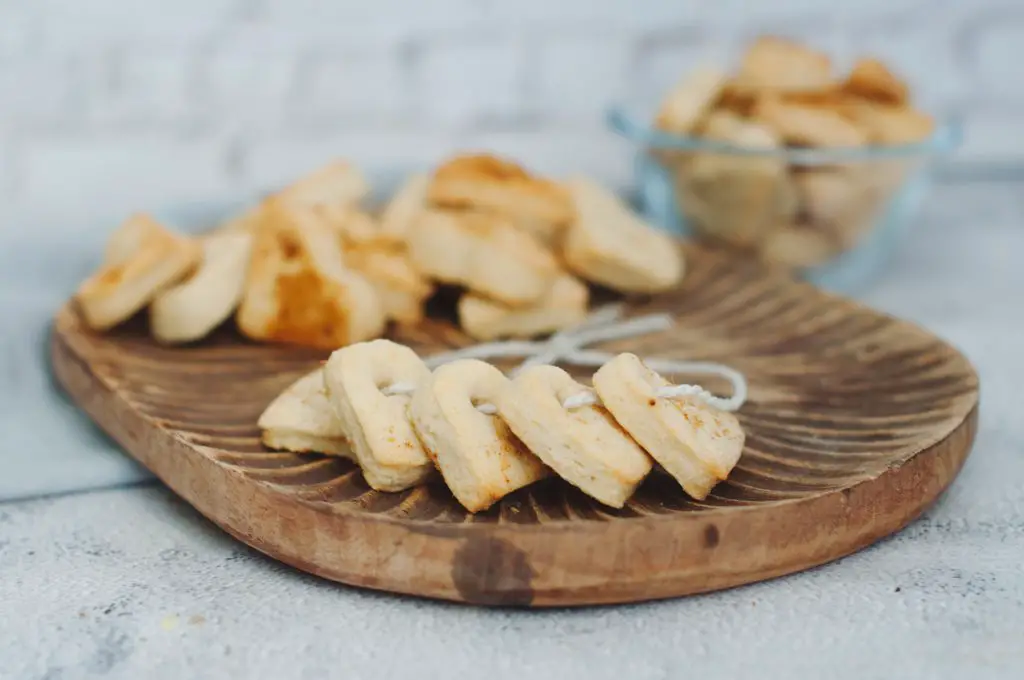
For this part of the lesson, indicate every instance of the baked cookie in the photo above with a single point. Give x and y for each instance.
(487, 183)
(872, 80)
(141, 259)
(478, 456)
(301, 419)
(191, 309)
(584, 446)
(609, 244)
(697, 444)
(377, 424)
(298, 289)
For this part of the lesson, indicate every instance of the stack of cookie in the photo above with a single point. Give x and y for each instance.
(309, 265)
(788, 96)
(519, 244)
(489, 226)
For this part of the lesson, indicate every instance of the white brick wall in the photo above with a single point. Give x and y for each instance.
(83, 180)
(112, 105)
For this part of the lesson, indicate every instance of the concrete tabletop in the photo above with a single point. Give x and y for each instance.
(133, 583)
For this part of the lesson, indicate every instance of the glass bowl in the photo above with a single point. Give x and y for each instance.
(833, 216)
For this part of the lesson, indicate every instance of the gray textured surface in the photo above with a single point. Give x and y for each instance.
(133, 583)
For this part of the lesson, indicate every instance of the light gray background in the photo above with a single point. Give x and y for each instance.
(134, 584)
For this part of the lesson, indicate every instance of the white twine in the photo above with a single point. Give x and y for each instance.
(566, 346)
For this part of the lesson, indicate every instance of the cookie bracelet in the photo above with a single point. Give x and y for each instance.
(488, 434)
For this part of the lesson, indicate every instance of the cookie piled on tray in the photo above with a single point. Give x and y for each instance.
(784, 96)
(522, 246)
(313, 265)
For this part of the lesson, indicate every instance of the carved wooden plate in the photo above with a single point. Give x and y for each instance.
(856, 423)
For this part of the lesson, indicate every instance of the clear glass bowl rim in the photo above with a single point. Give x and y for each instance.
(946, 138)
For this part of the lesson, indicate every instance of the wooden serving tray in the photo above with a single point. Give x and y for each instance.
(856, 423)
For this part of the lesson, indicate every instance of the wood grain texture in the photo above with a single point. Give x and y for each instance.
(856, 422)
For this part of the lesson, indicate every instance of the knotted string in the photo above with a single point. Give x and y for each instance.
(567, 346)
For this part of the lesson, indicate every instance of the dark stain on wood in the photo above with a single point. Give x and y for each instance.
(490, 571)
(711, 536)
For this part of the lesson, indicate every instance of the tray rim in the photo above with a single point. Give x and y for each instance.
(946, 455)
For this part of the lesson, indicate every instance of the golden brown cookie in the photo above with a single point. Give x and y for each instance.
(488, 183)
(376, 423)
(142, 258)
(478, 456)
(585, 446)
(483, 252)
(697, 444)
(871, 79)
(298, 289)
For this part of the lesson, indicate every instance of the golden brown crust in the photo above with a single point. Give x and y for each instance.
(482, 166)
(736, 99)
(489, 183)
(871, 80)
(298, 290)
(306, 304)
